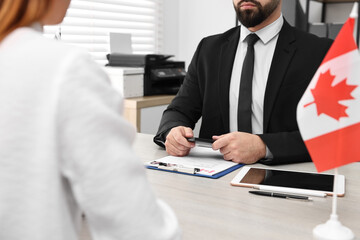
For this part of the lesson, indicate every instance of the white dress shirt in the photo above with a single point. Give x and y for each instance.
(66, 149)
(264, 51)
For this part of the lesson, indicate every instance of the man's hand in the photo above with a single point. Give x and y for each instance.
(176, 143)
(240, 147)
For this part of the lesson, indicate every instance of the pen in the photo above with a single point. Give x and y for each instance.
(201, 142)
(290, 191)
(280, 195)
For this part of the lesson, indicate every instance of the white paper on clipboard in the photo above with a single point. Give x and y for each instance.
(208, 161)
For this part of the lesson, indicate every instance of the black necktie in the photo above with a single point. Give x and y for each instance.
(245, 92)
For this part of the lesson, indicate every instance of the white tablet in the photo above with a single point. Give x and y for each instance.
(285, 181)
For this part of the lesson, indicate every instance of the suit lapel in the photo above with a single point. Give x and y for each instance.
(226, 60)
(284, 51)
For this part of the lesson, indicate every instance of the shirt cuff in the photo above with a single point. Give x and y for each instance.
(268, 154)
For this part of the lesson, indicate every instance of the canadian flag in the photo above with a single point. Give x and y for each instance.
(328, 113)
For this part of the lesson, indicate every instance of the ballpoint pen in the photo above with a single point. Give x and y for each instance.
(290, 191)
(280, 195)
(201, 142)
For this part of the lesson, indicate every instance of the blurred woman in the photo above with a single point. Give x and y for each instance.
(64, 147)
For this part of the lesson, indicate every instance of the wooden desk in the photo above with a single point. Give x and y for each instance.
(212, 209)
(133, 106)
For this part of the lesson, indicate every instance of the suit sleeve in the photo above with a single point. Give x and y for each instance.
(282, 136)
(185, 109)
(286, 147)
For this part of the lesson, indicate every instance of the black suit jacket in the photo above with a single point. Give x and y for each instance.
(205, 91)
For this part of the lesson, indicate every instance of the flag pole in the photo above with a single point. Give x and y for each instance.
(334, 202)
(355, 14)
(333, 229)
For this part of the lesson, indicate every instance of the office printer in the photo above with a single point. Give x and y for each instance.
(162, 76)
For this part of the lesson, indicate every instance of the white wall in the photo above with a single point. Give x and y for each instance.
(194, 20)
(171, 28)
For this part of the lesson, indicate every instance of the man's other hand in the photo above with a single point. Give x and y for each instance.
(240, 147)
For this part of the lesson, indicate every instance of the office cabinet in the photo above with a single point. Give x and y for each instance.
(330, 28)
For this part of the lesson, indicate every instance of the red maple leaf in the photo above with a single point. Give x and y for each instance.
(327, 97)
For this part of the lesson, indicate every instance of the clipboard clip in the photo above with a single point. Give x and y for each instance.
(175, 167)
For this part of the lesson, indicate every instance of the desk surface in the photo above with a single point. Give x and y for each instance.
(212, 209)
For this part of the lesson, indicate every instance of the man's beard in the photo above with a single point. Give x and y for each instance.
(251, 18)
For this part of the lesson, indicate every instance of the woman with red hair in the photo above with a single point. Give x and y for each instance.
(65, 149)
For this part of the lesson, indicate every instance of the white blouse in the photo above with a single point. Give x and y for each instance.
(66, 149)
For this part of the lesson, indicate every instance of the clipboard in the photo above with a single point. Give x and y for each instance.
(201, 162)
(215, 176)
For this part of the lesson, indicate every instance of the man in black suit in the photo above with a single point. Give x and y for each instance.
(285, 61)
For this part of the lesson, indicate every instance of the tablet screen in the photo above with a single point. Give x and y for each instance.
(280, 178)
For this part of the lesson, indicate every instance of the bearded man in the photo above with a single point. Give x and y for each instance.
(246, 84)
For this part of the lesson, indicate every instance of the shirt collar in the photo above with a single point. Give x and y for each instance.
(265, 34)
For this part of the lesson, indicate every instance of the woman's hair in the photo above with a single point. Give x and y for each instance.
(20, 13)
